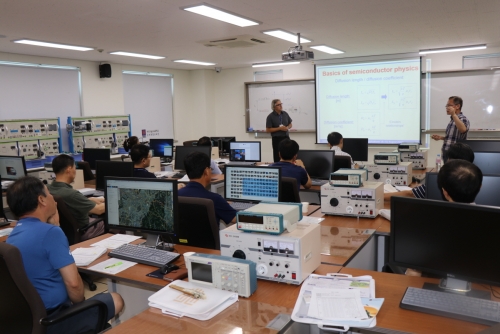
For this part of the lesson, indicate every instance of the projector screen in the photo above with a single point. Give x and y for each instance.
(379, 100)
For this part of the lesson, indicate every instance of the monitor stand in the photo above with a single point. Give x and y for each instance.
(453, 285)
(153, 241)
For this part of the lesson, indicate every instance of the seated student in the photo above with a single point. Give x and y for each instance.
(336, 143)
(141, 157)
(46, 258)
(460, 181)
(205, 141)
(290, 165)
(456, 151)
(79, 205)
(197, 166)
(130, 142)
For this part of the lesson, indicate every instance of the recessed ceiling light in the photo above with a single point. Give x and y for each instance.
(221, 15)
(53, 45)
(194, 62)
(138, 55)
(287, 36)
(453, 49)
(276, 63)
(327, 49)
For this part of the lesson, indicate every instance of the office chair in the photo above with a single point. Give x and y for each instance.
(87, 172)
(73, 232)
(341, 161)
(197, 223)
(190, 143)
(289, 191)
(21, 308)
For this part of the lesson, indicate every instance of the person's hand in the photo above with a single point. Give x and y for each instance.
(299, 162)
(436, 137)
(451, 110)
(54, 219)
(283, 128)
(180, 185)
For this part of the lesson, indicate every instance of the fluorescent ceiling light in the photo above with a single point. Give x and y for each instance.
(218, 14)
(276, 63)
(53, 45)
(287, 36)
(453, 49)
(194, 62)
(327, 49)
(138, 55)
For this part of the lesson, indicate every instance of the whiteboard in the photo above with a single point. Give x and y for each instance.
(479, 89)
(298, 101)
(148, 100)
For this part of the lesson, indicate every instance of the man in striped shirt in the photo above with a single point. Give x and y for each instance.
(458, 127)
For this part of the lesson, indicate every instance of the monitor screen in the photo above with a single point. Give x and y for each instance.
(252, 183)
(357, 148)
(483, 145)
(162, 148)
(453, 239)
(141, 204)
(111, 168)
(488, 194)
(244, 151)
(488, 162)
(222, 143)
(319, 163)
(12, 168)
(181, 152)
(91, 155)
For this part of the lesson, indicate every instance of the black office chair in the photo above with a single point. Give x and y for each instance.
(126, 157)
(341, 161)
(87, 172)
(21, 308)
(73, 232)
(197, 224)
(289, 191)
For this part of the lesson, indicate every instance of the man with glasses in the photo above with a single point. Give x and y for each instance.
(278, 123)
(458, 127)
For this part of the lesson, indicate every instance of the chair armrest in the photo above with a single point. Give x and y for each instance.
(89, 225)
(76, 309)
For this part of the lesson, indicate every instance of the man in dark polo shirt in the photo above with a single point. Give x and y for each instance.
(79, 205)
(198, 170)
(278, 123)
(290, 165)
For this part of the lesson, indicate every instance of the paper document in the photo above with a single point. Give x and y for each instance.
(5, 232)
(389, 188)
(184, 179)
(386, 213)
(86, 191)
(85, 256)
(226, 161)
(333, 304)
(402, 188)
(311, 220)
(112, 266)
(116, 241)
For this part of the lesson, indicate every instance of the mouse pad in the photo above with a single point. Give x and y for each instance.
(155, 274)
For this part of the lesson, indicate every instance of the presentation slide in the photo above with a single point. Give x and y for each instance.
(379, 100)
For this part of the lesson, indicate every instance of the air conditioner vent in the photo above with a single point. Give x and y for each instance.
(243, 41)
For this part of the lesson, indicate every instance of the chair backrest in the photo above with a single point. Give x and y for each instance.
(190, 143)
(87, 172)
(341, 161)
(126, 157)
(21, 307)
(197, 224)
(289, 191)
(68, 223)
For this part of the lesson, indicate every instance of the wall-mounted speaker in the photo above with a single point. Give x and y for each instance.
(105, 71)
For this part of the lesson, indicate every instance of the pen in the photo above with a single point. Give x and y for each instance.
(189, 292)
(114, 265)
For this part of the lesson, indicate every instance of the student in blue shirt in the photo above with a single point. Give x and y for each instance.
(46, 256)
(198, 169)
(141, 157)
(205, 141)
(290, 165)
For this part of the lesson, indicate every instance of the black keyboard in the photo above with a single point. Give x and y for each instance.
(239, 206)
(144, 255)
(452, 305)
(178, 175)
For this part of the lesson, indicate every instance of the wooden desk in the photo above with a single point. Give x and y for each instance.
(12, 224)
(391, 316)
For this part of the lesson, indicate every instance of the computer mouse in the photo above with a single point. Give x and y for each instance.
(168, 268)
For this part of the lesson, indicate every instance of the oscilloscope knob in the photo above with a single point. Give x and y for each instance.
(334, 202)
(239, 254)
(376, 176)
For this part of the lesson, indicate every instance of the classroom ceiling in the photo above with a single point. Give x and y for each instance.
(159, 27)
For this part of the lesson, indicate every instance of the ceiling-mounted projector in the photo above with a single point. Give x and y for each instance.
(296, 52)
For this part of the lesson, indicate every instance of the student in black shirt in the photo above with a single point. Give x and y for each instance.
(141, 157)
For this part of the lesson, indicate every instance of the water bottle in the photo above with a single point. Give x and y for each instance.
(438, 162)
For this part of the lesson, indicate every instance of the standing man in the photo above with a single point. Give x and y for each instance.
(278, 123)
(457, 128)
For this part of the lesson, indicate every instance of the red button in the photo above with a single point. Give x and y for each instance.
(294, 275)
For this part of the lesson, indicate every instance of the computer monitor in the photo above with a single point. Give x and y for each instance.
(341, 161)
(252, 183)
(181, 152)
(222, 143)
(244, 151)
(162, 148)
(319, 163)
(488, 162)
(91, 155)
(111, 168)
(483, 145)
(447, 239)
(12, 168)
(357, 148)
(488, 194)
(145, 205)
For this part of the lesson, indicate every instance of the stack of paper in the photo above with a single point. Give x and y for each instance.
(178, 304)
(5, 231)
(85, 256)
(112, 266)
(116, 241)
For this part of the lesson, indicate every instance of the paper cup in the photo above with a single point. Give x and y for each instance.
(305, 207)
